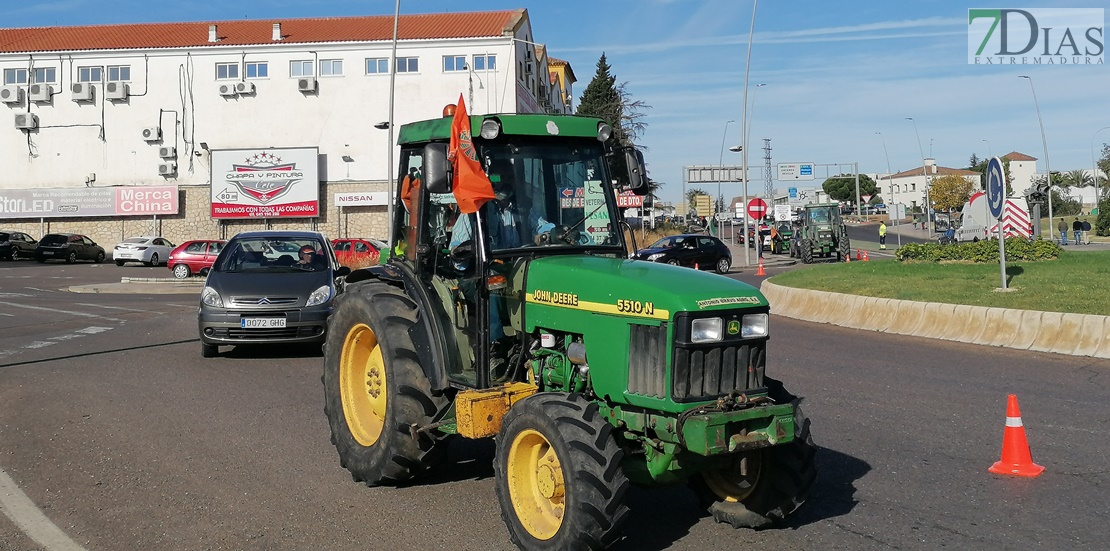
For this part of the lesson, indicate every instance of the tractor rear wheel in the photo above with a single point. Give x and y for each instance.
(374, 388)
(558, 475)
(805, 249)
(760, 488)
(843, 248)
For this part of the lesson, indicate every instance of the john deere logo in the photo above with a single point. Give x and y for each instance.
(733, 327)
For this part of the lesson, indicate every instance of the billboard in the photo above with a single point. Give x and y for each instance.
(88, 202)
(265, 183)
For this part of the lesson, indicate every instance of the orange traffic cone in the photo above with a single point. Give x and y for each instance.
(848, 257)
(760, 271)
(1016, 459)
(696, 266)
(865, 256)
(857, 254)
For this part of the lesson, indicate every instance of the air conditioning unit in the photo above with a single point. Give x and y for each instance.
(167, 168)
(40, 92)
(306, 84)
(83, 91)
(245, 88)
(152, 134)
(116, 90)
(167, 152)
(227, 90)
(26, 121)
(11, 94)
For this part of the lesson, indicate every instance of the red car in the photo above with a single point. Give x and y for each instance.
(353, 250)
(194, 257)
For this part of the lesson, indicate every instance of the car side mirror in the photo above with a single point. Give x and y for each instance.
(437, 169)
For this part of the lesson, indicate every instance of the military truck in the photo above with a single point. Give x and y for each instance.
(591, 370)
(821, 233)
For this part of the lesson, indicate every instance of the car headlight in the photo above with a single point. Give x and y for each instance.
(754, 325)
(655, 256)
(210, 297)
(706, 330)
(319, 296)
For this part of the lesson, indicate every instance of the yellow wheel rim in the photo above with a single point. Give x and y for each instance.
(736, 481)
(362, 384)
(535, 481)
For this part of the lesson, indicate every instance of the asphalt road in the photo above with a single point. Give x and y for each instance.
(125, 439)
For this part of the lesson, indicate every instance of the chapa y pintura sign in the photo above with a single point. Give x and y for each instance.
(265, 183)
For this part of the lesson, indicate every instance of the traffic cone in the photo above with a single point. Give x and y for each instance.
(865, 256)
(857, 254)
(1016, 459)
(696, 266)
(760, 271)
(848, 257)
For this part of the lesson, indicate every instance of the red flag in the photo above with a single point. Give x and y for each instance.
(472, 186)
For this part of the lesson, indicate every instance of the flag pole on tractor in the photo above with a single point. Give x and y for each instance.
(472, 187)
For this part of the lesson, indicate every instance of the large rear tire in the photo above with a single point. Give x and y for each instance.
(843, 248)
(375, 389)
(558, 476)
(762, 488)
(805, 249)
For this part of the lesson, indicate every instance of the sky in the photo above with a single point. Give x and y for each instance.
(840, 78)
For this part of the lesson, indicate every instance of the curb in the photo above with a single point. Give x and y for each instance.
(1056, 332)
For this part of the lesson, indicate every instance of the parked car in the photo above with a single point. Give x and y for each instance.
(70, 247)
(703, 251)
(148, 249)
(354, 250)
(255, 296)
(194, 257)
(16, 244)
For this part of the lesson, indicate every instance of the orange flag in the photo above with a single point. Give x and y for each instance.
(472, 186)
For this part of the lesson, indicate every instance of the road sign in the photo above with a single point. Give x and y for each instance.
(757, 208)
(702, 205)
(793, 192)
(795, 171)
(867, 198)
(629, 199)
(996, 187)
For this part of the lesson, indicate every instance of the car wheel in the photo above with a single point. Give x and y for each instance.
(14, 255)
(723, 265)
(119, 263)
(672, 262)
(71, 257)
(181, 271)
(100, 257)
(153, 260)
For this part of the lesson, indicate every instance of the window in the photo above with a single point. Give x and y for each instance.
(487, 62)
(377, 66)
(46, 75)
(913, 187)
(15, 76)
(227, 71)
(119, 73)
(331, 67)
(452, 63)
(90, 74)
(408, 65)
(301, 69)
(258, 69)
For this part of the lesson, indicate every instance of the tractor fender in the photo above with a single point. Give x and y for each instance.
(433, 343)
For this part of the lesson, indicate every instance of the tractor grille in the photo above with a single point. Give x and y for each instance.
(705, 373)
(647, 360)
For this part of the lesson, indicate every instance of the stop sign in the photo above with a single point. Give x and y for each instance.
(757, 208)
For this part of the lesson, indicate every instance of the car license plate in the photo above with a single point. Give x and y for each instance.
(48, 253)
(261, 323)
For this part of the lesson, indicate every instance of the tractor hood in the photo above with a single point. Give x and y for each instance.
(635, 288)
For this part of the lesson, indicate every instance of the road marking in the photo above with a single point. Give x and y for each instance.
(14, 295)
(26, 515)
(9, 315)
(56, 311)
(116, 308)
(41, 290)
(39, 344)
(93, 330)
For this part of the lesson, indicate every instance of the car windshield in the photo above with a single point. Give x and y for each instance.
(667, 243)
(54, 239)
(269, 253)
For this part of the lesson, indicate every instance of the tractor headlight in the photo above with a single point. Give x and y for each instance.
(656, 256)
(706, 330)
(754, 325)
(491, 128)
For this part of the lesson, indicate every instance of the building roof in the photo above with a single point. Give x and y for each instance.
(260, 32)
(556, 62)
(1015, 156)
(941, 171)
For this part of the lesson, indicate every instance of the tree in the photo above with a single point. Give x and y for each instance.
(605, 99)
(981, 168)
(843, 187)
(1076, 178)
(950, 192)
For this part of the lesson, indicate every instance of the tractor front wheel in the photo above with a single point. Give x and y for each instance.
(805, 249)
(375, 389)
(843, 249)
(558, 475)
(760, 488)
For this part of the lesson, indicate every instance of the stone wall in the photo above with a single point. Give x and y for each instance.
(194, 220)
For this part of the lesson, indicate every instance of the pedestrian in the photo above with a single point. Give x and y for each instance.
(1062, 227)
(1077, 231)
(882, 235)
(1086, 232)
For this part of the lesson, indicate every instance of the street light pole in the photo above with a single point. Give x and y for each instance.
(1044, 143)
(890, 186)
(744, 125)
(1094, 166)
(925, 173)
(721, 173)
(989, 154)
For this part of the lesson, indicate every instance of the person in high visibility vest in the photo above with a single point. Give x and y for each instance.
(882, 235)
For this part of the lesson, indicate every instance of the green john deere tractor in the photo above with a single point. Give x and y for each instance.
(591, 370)
(821, 234)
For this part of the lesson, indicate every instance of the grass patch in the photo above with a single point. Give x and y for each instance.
(1076, 282)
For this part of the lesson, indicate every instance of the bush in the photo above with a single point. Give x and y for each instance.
(1102, 223)
(1017, 248)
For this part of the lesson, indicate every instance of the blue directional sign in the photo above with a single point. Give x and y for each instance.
(996, 187)
(793, 192)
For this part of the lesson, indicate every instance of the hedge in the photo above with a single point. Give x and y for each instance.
(1017, 248)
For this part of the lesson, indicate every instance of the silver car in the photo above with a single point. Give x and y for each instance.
(269, 287)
